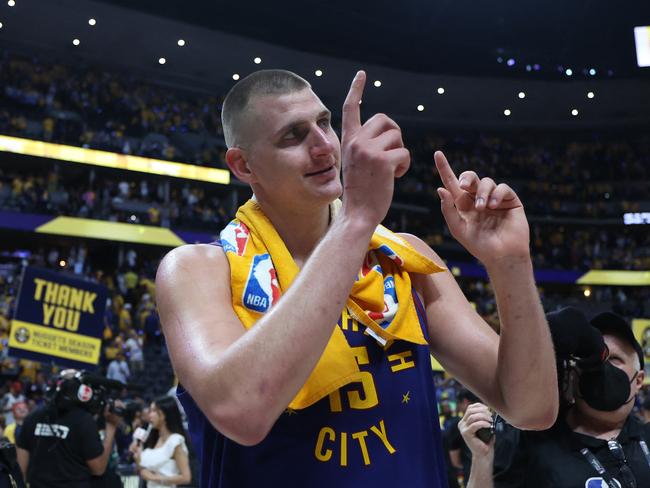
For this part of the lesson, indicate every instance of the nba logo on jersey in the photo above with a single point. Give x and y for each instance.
(234, 238)
(598, 483)
(262, 289)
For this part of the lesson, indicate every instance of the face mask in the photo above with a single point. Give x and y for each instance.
(606, 389)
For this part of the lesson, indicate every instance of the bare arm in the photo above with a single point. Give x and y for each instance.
(243, 380)
(514, 372)
(98, 465)
(22, 456)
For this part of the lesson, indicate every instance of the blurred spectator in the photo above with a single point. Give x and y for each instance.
(118, 369)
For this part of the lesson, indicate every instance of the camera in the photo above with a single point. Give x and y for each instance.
(86, 390)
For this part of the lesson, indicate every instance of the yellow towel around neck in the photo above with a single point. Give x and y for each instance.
(261, 268)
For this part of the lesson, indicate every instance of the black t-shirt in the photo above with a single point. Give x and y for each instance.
(59, 446)
(552, 458)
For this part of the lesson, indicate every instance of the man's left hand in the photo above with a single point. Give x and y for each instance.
(486, 218)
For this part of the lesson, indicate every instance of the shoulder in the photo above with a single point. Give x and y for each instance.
(191, 257)
(188, 265)
(422, 247)
(176, 440)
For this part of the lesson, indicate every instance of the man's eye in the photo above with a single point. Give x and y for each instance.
(324, 123)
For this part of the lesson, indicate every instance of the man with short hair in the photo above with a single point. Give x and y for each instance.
(302, 342)
(596, 442)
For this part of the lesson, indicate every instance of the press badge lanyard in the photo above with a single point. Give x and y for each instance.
(603, 472)
(599, 468)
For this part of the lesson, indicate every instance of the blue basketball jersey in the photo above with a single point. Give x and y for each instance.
(381, 431)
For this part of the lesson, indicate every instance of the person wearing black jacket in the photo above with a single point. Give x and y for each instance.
(59, 445)
(596, 443)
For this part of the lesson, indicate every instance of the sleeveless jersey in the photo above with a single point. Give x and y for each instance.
(381, 431)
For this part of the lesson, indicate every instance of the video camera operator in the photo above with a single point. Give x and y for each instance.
(59, 444)
(596, 442)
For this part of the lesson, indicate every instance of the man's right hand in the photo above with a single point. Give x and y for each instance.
(111, 417)
(373, 155)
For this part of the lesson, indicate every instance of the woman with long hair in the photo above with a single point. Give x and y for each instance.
(163, 460)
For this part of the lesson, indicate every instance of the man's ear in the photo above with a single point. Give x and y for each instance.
(639, 379)
(236, 161)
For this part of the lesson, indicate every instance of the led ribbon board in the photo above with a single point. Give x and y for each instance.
(108, 159)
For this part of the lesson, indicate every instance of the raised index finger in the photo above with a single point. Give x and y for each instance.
(351, 120)
(447, 175)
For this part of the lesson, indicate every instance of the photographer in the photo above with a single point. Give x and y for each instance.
(597, 441)
(59, 445)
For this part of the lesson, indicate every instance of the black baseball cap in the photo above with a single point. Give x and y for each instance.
(611, 323)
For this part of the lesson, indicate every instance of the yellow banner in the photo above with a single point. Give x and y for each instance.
(54, 342)
(111, 231)
(641, 328)
(108, 159)
(615, 278)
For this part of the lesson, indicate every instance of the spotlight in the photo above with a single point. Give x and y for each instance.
(162, 60)
(507, 112)
(62, 263)
(441, 90)
(591, 94)
(587, 292)
(76, 42)
(574, 112)
(181, 42)
(377, 83)
(318, 72)
(529, 67)
(0, 25)
(521, 95)
(11, 3)
(592, 72)
(92, 21)
(420, 108)
(568, 72)
(510, 62)
(235, 76)
(257, 60)
(499, 59)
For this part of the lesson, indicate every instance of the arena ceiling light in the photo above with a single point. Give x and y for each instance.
(92, 21)
(11, 3)
(181, 42)
(591, 94)
(318, 72)
(511, 62)
(592, 72)
(420, 108)
(507, 112)
(441, 90)
(0, 25)
(568, 72)
(521, 94)
(235, 76)
(257, 60)
(76, 42)
(574, 112)
(377, 83)
(162, 60)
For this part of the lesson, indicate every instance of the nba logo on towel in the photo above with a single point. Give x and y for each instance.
(262, 289)
(598, 483)
(391, 254)
(234, 238)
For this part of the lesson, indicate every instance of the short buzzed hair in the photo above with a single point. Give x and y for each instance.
(259, 83)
